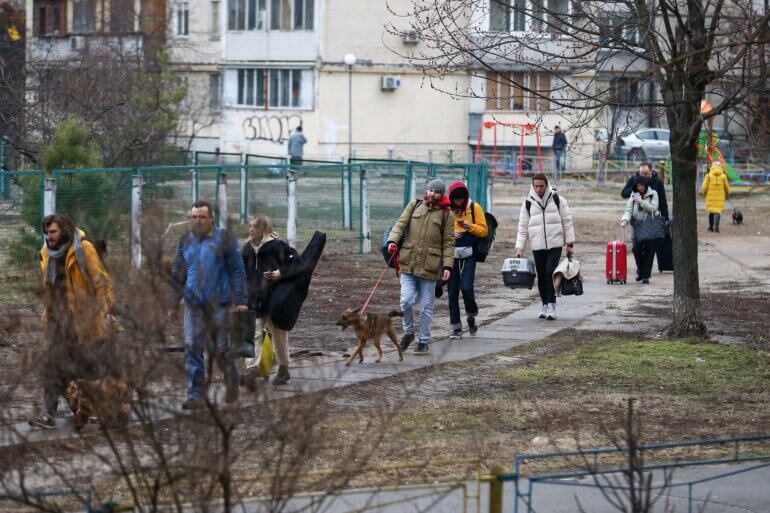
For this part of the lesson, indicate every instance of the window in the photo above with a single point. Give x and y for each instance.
(648, 135)
(247, 15)
(291, 14)
(518, 91)
(84, 16)
(276, 88)
(121, 16)
(529, 15)
(51, 19)
(215, 19)
(181, 18)
(625, 91)
(215, 92)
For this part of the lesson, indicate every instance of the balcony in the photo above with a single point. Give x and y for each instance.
(72, 46)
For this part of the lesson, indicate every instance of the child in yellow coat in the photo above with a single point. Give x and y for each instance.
(716, 190)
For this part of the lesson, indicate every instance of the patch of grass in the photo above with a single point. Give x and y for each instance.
(682, 367)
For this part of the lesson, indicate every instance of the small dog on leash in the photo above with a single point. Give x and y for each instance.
(107, 399)
(370, 327)
(737, 216)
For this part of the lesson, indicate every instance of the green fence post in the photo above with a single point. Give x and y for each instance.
(194, 176)
(408, 182)
(5, 183)
(366, 240)
(349, 198)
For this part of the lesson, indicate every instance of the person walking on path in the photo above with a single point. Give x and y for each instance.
(559, 147)
(655, 183)
(546, 222)
(424, 239)
(641, 204)
(297, 141)
(470, 225)
(78, 301)
(208, 274)
(264, 254)
(716, 190)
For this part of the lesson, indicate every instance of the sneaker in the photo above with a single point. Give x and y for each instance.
(543, 311)
(193, 403)
(456, 334)
(550, 312)
(473, 328)
(646, 281)
(407, 339)
(638, 278)
(44, 420)
(282, 377)
(422, 349)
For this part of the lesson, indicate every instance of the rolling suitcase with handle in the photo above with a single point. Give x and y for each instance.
(616, 268)
(664, 252)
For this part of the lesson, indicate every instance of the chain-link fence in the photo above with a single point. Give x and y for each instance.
(146, 208)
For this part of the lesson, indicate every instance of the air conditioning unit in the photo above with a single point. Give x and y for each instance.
(390, 82)
(412, 37)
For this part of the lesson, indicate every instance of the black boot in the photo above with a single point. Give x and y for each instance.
(283, 376)
(473, 328)
(717, 218)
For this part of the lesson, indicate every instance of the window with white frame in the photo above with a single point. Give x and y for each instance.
(214, 18)
(275, 88)
(529, 16)
(518, 91)
(181, 18)
(286, 15)
(215, 92)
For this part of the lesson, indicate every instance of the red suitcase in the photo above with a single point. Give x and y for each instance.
(616, 269)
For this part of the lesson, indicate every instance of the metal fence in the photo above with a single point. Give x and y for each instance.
(144, 210)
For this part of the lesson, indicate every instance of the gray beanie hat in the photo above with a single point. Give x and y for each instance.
(438, 185)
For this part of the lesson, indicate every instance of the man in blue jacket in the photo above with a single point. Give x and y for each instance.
(208, 274)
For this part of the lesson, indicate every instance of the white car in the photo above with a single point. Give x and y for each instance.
(649, 143)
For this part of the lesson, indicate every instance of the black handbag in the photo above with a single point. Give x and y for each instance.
(650, 228)
(573, 287)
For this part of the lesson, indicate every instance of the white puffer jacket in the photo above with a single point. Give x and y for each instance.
(546, 226)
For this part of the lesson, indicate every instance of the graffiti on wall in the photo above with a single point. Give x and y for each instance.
(270, 127)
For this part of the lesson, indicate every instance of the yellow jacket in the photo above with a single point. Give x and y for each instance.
(478, 226)
(715, 189)
(89, 298)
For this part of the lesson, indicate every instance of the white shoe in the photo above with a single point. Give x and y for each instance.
(550, 313)
(543, 311)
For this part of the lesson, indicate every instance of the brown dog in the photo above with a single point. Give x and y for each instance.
(107, 399)
(370, 326)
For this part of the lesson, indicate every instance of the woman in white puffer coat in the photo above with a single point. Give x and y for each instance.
(546, 222)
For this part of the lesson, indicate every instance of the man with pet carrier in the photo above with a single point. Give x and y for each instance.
(546, 222)
(424, 238)
(470, 226)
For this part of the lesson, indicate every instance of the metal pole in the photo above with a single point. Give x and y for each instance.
(350, 113)
(495, 490)
(346, 198)
(291, 221)
(366, 239)
(194, 176)
(136, 221)
(49, 197)
(244, 191)
(222, 200)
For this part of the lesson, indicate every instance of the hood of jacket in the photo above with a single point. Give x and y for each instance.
(459, 186)
(716, 171)
(443, 202)
(534, 196)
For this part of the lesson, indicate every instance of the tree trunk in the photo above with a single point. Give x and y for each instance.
(687, 320)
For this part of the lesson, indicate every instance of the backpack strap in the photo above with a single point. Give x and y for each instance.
(473, 211)
(409, 222)
(556, 199)
(528, 204)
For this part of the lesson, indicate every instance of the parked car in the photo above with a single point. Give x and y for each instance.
(649, 143)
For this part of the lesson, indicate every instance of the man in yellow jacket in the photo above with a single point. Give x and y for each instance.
(78, 301)
(716, 190)
(470, 225)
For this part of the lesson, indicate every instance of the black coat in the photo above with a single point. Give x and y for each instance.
(654, 183)
(281, 300)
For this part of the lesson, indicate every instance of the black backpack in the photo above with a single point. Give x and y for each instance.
(484, 246)
(555, 197)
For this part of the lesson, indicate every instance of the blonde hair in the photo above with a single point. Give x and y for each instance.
(263, 225)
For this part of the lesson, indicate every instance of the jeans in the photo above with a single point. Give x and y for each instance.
(559, 162)
(414, 288)
(546, 262)
(644, 252)
(206, 329)
(461, 280)
(714, 221)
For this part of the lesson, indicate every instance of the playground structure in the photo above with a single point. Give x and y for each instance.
(524, 129)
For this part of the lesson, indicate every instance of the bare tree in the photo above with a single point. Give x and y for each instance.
(654, 59)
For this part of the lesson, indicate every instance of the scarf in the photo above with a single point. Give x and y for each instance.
(55, 254)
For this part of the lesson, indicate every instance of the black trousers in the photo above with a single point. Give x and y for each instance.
(644, 253)
(714, 221)
(546, 261)
(461, 280)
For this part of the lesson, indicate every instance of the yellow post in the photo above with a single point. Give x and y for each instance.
(495, 490)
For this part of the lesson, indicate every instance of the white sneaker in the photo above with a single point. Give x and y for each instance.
(550, 313)
(543, 311)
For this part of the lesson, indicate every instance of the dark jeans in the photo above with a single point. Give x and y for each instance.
(206, 331)
(461, 280)
(714, 221)
(546, 261)
(644, 253)
(295, 161)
